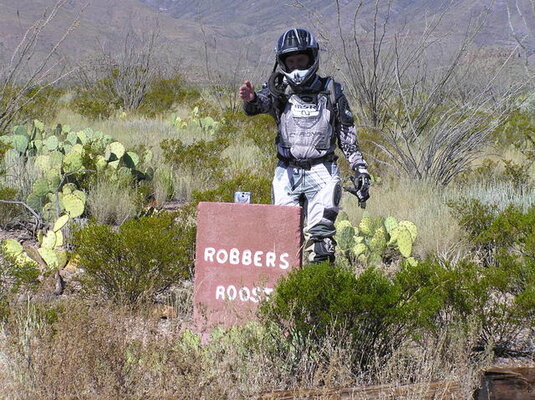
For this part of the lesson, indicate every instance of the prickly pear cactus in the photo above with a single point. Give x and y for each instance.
(64, 158)
(377, 240)
(345, 235)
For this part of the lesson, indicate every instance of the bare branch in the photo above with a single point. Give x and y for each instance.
(38, 220)
(16, 83)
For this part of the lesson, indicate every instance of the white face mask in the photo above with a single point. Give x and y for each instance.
(297, 76)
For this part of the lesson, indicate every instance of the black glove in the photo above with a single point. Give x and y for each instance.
(361, 182)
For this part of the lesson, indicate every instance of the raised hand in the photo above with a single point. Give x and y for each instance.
(246, 91)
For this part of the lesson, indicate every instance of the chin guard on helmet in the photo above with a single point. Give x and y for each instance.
(297, 41)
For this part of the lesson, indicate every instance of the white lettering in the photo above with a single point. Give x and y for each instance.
(220, 292)
(234, 256)
(247, 257)
(283, 261)
(232, 292)
(254, 297)
(258, 258)
(221, 256)
(245, 294)
(209, 254)
(270, 258)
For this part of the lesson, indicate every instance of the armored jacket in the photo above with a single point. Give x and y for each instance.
(311, 122)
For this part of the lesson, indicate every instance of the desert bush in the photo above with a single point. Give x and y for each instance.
(96, 101)
(492, 232)
(259, 187)
(261, 130)
(100, 99)
(142, 259)
(15, 276)
(513, 173)
(201, 158)
(377, 313)
(518, 129)
(429, 299)
(164, 93)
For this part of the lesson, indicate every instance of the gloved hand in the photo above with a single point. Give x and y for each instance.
(361, 183)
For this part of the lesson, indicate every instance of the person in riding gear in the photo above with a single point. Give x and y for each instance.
(313, 116)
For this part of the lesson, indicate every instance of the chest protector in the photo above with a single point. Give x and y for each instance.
(305, 127)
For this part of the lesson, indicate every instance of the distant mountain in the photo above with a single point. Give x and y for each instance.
(103, 24)
(225, 33)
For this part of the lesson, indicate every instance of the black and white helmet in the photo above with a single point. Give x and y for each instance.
(295, 41)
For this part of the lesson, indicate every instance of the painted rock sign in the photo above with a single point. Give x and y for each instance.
(242, 250)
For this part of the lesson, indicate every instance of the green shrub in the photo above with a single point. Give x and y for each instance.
(44, 106)
(164, 94)
(101, 99)
(259, 187)
(142, 259)
(261, 130)
(377, 313)
(38, 102)
(199, 158)
(491, 232)
(96, 101)
(518, 130)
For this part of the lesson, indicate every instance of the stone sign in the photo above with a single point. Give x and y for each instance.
(241, 252)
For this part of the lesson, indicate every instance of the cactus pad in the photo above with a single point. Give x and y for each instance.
(100, 162)
(49, 240)
(63, 258)
(49, 257)
(20, 143)
(366, 226)
(38, 125)
(404, 242)
(34, 202)
(72, 138)
(82, 136)
(114, 151)
(360, 249)
(40, 187)
(61, 222)
(42, 163)
(12, 247)
(410, 227)
(59, 239)
(51, 143)
(68, 188)
(73, 161)
(73, 205)
(131, 159)
(412, 261)
(390, 224)
(378, 241)
(344, 235)
(113, 164)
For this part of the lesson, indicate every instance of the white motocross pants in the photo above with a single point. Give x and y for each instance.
(318, 190)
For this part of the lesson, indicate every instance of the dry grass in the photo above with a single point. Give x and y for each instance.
(417, 201)
(112, 202)
(77, 350)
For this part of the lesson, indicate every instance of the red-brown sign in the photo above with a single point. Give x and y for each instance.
(242, 250)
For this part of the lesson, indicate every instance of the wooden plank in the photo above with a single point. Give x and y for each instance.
(507, 384)
(419, 391)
